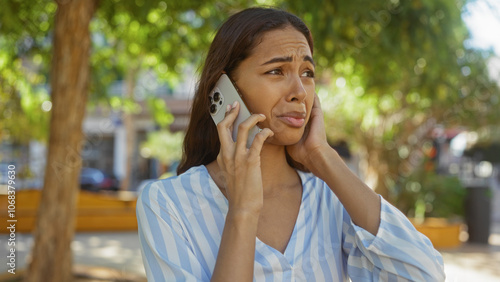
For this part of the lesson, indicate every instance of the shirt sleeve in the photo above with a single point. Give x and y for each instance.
(397, 253)
(166, 251)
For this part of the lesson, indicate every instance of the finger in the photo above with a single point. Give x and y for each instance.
(316, 103)
(258, 142)
(244, 128)
(316, 108)
(316, 125)
(225, 127)
(318, 111)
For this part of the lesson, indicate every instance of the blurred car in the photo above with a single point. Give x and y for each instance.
(93, 179)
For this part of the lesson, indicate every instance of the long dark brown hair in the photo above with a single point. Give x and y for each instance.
(232, 44)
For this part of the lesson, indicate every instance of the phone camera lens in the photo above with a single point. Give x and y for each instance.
(213, 109)
(216, 96)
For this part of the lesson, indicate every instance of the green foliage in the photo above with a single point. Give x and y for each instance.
(163, 36)
(164, 146)
(160, 112)
(24, 57)
(409, 52)
(27, 19)
(427, 194)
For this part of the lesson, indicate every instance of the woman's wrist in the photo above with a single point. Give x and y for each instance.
(235, 258)
(243, 215)
(242, 224)
(319, 159)
(361, 202)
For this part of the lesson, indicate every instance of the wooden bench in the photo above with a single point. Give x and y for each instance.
(95, 211)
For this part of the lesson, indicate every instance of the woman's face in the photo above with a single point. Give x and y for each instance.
(277, 80)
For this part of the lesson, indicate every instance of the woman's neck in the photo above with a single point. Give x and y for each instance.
(276, 173)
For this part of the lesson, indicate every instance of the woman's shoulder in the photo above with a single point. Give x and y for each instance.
(168, 187)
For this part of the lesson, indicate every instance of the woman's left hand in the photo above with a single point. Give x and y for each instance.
(314, 139)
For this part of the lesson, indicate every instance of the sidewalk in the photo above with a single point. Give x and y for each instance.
(475, 262)
(120, 251)
(97, 251)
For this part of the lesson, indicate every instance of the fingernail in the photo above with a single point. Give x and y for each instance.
(228, 108)
(234, 104)
(262, 115)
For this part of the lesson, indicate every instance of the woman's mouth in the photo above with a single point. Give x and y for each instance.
(293, 119)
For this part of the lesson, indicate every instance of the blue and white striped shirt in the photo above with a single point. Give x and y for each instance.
(181, 221)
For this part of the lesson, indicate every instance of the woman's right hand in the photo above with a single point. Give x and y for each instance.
(239, 165)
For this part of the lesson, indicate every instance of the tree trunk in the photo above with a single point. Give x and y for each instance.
(70, 77)
(128, 123)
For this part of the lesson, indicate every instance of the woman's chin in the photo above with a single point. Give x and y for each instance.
(280, 139)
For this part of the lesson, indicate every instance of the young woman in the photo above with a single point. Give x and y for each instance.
(285, 209)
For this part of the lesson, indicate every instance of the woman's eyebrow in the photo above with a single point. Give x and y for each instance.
(309, 59)
(288, 59)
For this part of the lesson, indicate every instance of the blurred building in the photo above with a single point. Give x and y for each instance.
(105, 136)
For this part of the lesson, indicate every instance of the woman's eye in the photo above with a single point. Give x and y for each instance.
(275, 71)
(308, 73)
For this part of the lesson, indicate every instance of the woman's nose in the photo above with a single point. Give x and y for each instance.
(297, 92)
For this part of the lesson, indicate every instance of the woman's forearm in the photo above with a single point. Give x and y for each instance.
(235, 260)
(361, 202)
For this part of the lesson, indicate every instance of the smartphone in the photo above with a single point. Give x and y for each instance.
(223, 94)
